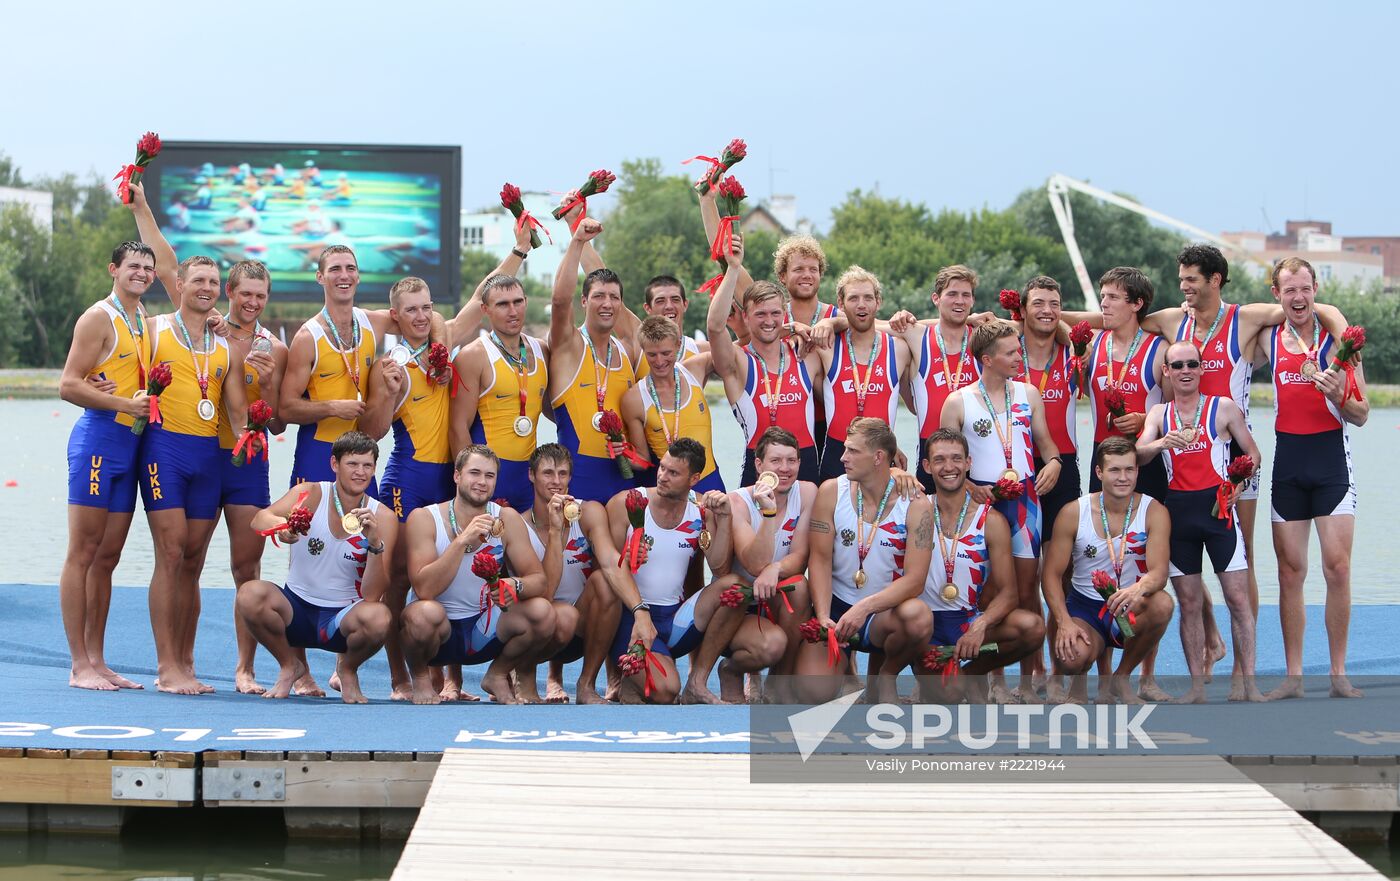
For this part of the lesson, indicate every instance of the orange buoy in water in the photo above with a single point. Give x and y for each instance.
(12, 482)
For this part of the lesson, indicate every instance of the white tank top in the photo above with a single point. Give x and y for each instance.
(325, 570)
(462, 598)
(884, 563)
(787, 525)
(969, 563)
(988, 455)
(578, 562)
(1091, 550)
(661, 579)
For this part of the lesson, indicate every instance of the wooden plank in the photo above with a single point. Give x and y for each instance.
(608, 816)
(46, 781)
(346, 784)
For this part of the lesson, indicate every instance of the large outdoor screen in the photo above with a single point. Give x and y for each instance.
(283, 204)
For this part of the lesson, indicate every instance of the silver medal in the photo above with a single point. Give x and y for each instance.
(400, 355)
(206, 409)
(523, 426)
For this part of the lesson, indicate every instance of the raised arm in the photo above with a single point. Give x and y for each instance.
(562, 321)
(167, 264)
(709, 216)
(723, 353)
(465, 326)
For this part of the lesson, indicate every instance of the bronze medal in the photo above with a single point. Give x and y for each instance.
(1309, 368)
(524, 427)
(350, 523)
(598, 421)
(704, 539)
(950, 592)
(860, 578)
(1188, 433)
(497, 527)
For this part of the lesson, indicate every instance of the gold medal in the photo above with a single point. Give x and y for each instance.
(704, 539)
(860, 578)
(497, 527)
(1309, 368)
(206, 409)
(350, 523)
(767, 479)
(524, 427)
(598, 421)
(571, 512)
(950, 592)
(1012, 475)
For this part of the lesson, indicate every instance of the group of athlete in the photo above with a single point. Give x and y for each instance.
(476, 545)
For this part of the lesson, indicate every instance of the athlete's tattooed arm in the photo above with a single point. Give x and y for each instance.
(819, 526)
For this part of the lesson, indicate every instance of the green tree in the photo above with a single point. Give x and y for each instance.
(9, 173)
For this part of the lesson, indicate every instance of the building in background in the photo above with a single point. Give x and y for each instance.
(39, 203)
(493, 230)
(1337, 259)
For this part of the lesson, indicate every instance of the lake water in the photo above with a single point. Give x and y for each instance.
(33, 514)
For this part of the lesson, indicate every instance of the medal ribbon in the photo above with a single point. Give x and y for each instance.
(1191, 326)
(1008, 437)
(767, 384)
(138, 335)
(1309, 352)
(1132, 351)
(340, 510)
(352, 366)
(201, 374)
(521, 376)
(660, 413)
(1176, 414)
(862, 385)
(950, 550)
(1045, 371)
(1121, 557)
(943, 353)
(600, 379)
(862, 544)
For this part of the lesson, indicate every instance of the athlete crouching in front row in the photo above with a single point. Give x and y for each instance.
(1127, 536)
(678, 527)
(453, 615)
(970, 556)
(333, 599)
(866, 568)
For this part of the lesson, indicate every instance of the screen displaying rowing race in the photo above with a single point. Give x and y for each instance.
(283, 204)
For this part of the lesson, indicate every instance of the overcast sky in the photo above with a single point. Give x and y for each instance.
(1217, 113)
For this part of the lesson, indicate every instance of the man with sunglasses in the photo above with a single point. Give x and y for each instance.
(1192, 433)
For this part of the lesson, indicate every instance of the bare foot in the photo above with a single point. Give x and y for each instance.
(306, 685)
(350, 688)
(1149, 690)
(1001, 694)
(452, 691)
(402, 692)
(423, 691)
(498, 686)
(90, 679)
(554, 693)
(1026, 695)
(1242, 688)
(180, 683)
(1122, 689)
(245, 683)
(696, 693)
(613, 692)
(1213, 653)
(1055, 692)
(334, 682)
(1291, 689)
(287, 678)
(1342, 687)
(587, 694)
(731, 684)
(116, 678)
(1197, 695)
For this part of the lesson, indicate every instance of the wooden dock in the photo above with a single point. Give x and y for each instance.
(583, 815)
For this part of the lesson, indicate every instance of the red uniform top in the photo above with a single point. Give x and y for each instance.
(793, 390)
(1057, 392)
(1202, 464)
(1133, 378)
(881, 380)
(939, 375)
(1298, 406)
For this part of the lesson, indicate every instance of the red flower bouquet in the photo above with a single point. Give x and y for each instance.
(610, 424)
(732, 155)
(1011, 302)
(253, 440)
(731, 199)
(147, 148)
(598, 182)
(1006, 489)
(438, 366)
(636, 503)
(812, 631)
(298, 520)
(511, 201)
(944, 659)
(1106, 586)
(1079, 337)
(1239, 471)
(157, 382)
(1116, 405)
(494, 591)
(1348, 352)
(640, 659)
